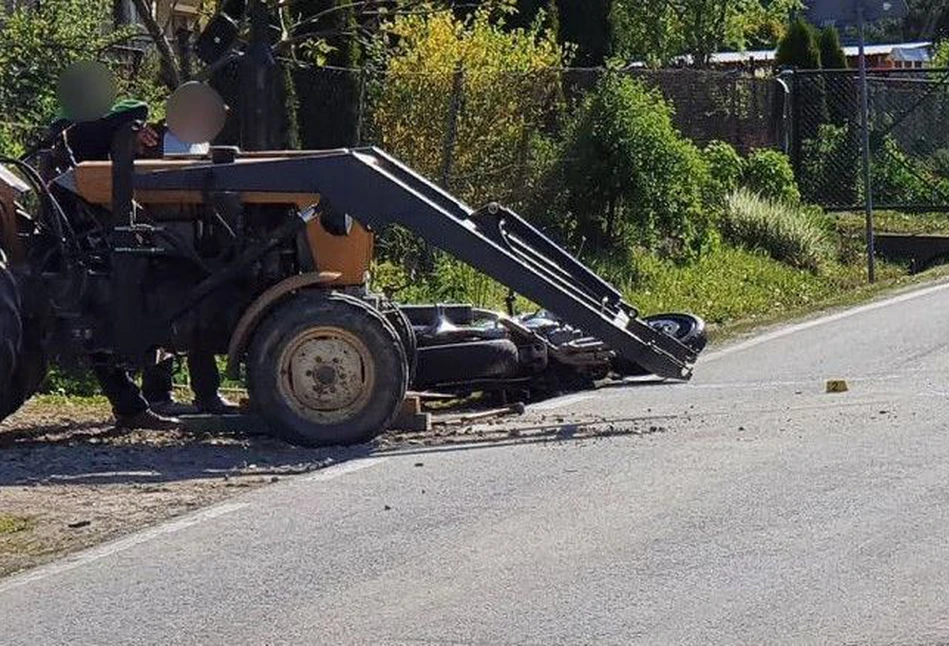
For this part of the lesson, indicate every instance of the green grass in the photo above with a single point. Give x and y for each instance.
(797, 235)
(732, 284)
(13, 524)
(893, 222)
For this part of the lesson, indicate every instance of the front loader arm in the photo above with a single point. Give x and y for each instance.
(378, 191)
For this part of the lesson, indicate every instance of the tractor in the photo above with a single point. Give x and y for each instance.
(265, 257)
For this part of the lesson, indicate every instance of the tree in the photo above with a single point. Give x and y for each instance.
(658, 31)
(584, 24)
(832, 55)
(799, 48)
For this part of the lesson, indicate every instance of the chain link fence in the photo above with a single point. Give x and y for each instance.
(909, 140)
(443, 124)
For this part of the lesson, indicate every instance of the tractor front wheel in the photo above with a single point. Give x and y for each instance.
(327, 369)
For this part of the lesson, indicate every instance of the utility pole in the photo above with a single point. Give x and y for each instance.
(865, 125)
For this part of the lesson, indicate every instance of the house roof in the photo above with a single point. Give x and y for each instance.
(914, 51)
(912, 54)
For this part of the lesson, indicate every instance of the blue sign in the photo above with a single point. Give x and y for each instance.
(844, 12)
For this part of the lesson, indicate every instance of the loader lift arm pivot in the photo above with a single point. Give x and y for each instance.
(378, 191)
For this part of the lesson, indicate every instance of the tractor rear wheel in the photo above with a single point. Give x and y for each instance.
(11, 337)
(327, 369)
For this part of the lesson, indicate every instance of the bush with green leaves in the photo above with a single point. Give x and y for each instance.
(769, 173)
(796, 235)
(725, 169)
(896, 179)
(627, 176)
(461, 99)
(830, 172)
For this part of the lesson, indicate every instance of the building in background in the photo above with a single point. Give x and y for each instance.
(172, 15)
(918, 55)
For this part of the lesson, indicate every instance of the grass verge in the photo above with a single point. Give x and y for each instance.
(13, 524)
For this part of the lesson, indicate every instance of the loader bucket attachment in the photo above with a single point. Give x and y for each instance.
(378, 190)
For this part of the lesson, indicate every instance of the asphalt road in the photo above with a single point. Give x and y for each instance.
(767, 512)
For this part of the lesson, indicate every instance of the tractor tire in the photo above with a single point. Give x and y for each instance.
(11, 338)
(327, 370)
(403, 327)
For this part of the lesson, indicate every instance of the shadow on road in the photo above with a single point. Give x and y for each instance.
(90, 452)
(93, 453)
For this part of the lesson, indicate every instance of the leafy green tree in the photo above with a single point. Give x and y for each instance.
(627, 177)
(36, 45)
(799, 49)
(656, 32)
(583, 24)
(586, 24)
(840, 90)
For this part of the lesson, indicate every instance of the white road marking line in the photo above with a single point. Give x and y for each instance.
(562, 401)
(341, 469)
(121, 545)
(800, 327)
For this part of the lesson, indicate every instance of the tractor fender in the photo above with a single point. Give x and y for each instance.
(254, 314)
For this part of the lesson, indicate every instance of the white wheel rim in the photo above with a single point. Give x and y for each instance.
(326, 374)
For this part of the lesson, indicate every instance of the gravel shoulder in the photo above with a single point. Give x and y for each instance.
(69, 480)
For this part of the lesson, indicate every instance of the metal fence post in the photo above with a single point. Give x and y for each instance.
(865, 123)
(361, 105)
(795, 131)
(451, 129)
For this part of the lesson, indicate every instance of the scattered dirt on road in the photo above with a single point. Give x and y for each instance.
(69, 479)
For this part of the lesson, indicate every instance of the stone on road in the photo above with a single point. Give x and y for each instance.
(769, 512)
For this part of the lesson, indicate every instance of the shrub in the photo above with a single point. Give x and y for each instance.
(897, 179)
(769, 173)
(627, 176)
(725, 168)
(792, 234)
(831, 167)
(493, 88)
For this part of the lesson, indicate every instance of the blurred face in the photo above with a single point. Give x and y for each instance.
(86, 91)
(195, 113)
